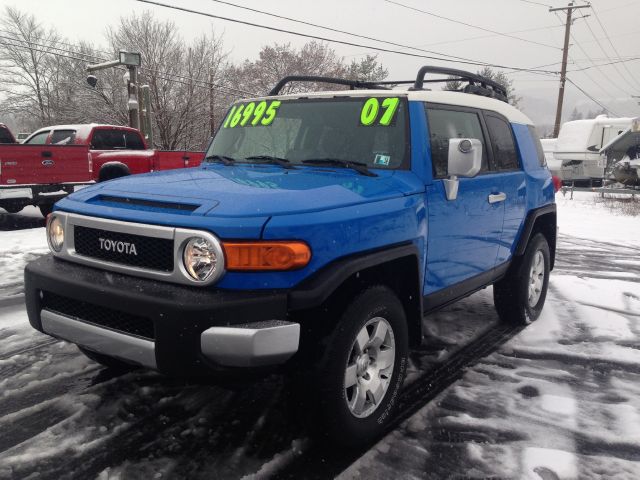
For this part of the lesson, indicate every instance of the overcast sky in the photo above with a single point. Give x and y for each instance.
(611, 85)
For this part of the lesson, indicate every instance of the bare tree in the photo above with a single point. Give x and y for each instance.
(367, 70)
(453, 84)
(179, 77)
(280, 60)
(27, 73)
(506, 82)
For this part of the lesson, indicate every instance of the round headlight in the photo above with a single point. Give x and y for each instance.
(55, 233)
(202, 258)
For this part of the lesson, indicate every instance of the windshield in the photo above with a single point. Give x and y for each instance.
(369, 130)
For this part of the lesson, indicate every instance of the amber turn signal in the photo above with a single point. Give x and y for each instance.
(266, 255)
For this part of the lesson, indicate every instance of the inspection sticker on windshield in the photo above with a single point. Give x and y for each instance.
(379, 111)
(252, 114)
(382, 159)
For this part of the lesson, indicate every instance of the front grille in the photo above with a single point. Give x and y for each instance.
(150, 253)
(100, 316)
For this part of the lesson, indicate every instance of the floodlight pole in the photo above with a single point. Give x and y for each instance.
(565, 53)
(133, 103)
(132, 61)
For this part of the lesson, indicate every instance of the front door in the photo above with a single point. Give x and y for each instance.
(463, 234)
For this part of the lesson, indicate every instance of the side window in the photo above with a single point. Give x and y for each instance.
(446, 124)
(38, 138)
(63, 137)
(505, 155)
(536, 141)
(107, 140)
(133, 141)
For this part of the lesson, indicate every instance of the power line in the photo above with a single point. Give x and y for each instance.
(331, 40)
(604, 64)
(537, 3)
(157, 73)
(606, 34)
(471, 25)
(591, 97)
(478, 37)
(331, 29)
(586, 22)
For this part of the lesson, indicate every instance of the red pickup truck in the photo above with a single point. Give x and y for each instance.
(53, 161)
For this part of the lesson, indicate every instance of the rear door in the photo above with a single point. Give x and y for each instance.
(509, 167)
(463, 234)
(44, 164)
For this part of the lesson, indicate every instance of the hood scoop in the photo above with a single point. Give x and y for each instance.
(145, 204)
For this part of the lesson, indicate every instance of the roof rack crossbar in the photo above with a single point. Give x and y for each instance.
(478, 85)
(486, 87)
(337, 81)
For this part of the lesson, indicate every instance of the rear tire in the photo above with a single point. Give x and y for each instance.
(362, 369)
(112, 171)
(520, 296)
(107, 361)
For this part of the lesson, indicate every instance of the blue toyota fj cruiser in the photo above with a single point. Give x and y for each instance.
(318, 232)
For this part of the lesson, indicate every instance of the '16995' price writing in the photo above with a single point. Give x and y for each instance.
(252, 114)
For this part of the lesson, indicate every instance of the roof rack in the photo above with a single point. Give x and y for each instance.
(337, 81)
(478, 85)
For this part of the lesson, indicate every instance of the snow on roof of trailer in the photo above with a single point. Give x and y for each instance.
(437, 96)
(577, 135)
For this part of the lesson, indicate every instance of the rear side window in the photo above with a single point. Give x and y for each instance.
(133, 141)
(536, 141)
(38, 138)
(5, 136)
(446, 124)
(63, 137)
(505, 155)
(116, 140)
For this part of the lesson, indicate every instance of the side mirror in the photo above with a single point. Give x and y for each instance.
(465, 157)
(465, 160)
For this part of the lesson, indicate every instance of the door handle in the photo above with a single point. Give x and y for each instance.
(497, 197)
(47, 154)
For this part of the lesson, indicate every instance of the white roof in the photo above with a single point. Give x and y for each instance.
(437, 96)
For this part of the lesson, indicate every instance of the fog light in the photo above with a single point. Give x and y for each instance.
(55, 233)
(202, 258)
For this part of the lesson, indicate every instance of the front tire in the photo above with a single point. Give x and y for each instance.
(45, 209)
(363, 367)
(520, 296)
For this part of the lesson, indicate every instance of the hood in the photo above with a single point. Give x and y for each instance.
(250, 190)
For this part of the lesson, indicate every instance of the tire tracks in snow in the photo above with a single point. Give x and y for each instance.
(325, 462)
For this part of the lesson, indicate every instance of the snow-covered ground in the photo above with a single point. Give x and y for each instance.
(559, 400)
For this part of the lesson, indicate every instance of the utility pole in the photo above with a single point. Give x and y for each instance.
(133, 103)
(145, 115)
(565, 53)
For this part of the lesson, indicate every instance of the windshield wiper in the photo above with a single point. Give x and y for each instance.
(359, 167)
(225, 160)
(283, 162)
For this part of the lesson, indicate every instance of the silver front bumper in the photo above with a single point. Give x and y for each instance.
(108, 342)
(245, 345)
(251, 344)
